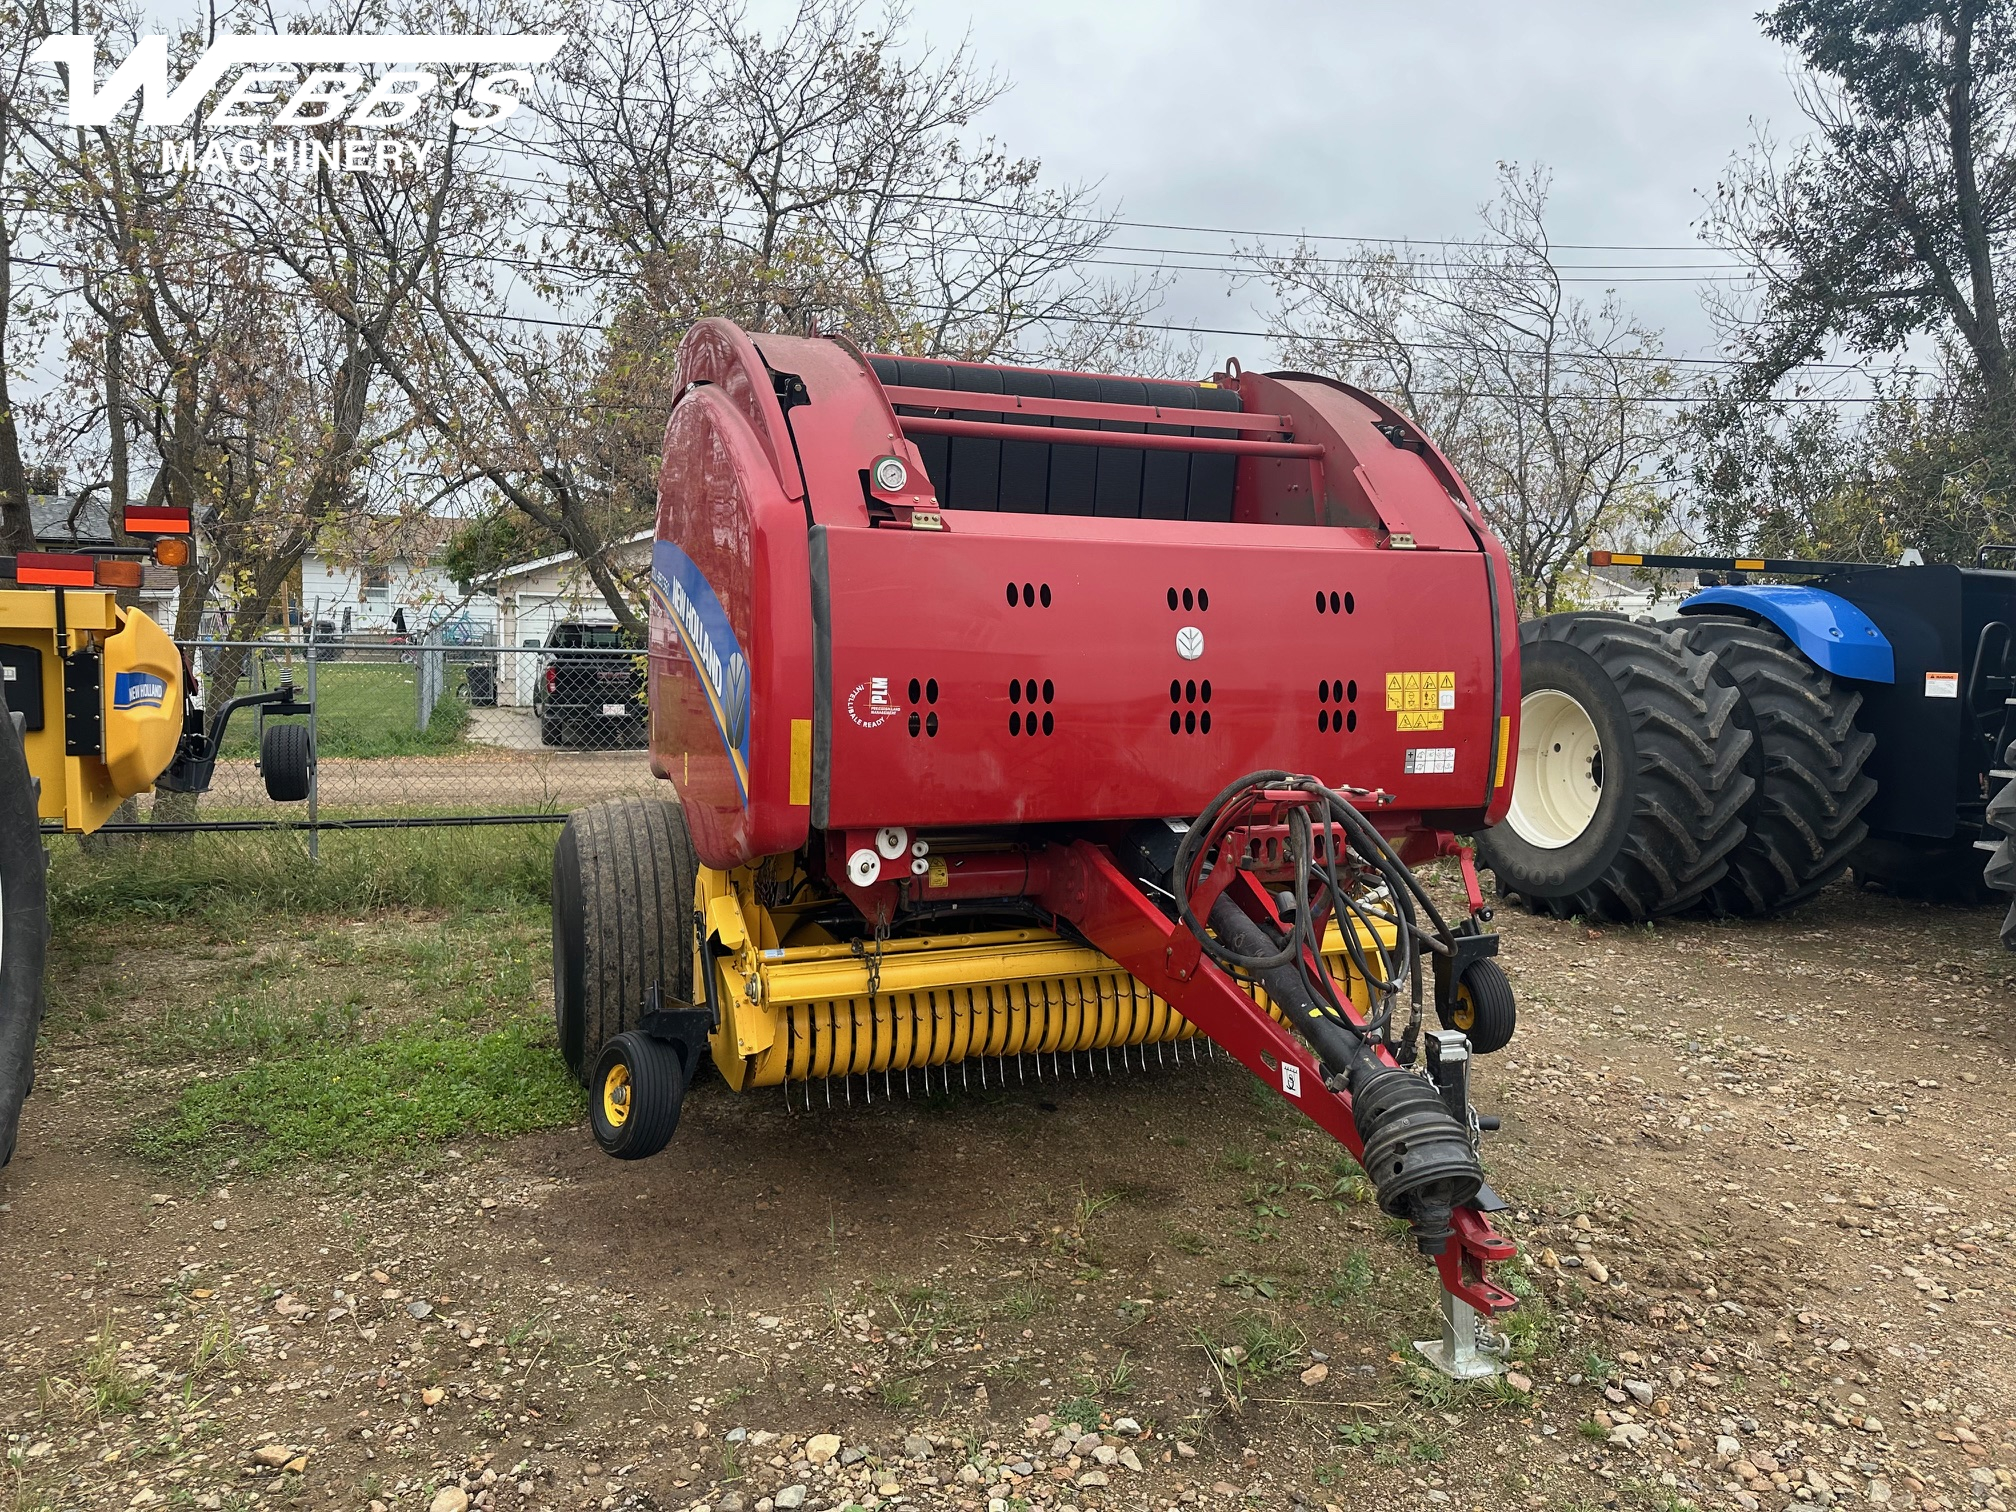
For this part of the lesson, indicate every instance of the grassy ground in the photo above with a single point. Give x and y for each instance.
(369, 709)
(380, 1001)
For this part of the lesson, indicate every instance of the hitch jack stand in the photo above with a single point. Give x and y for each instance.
(1467, 1350)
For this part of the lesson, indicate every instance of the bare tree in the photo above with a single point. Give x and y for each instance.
(1550, 407)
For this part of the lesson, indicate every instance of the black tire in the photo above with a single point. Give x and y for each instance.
(1804, 820)
(287, 760)
(24, 930)
(1668, 773)
(623, 877)
(550, 732)
(634, 1096)
(1484, 1007)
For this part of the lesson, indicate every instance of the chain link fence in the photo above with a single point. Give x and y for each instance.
(415, 733)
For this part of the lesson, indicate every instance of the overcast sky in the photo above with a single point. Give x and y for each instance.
(1383, 119)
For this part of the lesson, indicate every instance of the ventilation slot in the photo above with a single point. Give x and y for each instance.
(1331, 719)
(1187, 716)
(1039, 718)
(923, 721)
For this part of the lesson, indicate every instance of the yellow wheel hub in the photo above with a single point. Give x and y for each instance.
(1465, 1013)
(616, 1096)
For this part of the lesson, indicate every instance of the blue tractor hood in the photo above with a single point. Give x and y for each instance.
(1832, 633)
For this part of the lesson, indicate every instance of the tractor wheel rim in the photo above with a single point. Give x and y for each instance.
(616, 1096)
(1559, 780)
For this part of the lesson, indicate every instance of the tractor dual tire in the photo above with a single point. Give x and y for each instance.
(24, 929)
(623, 880)
(1807, 758)
(1630, 786)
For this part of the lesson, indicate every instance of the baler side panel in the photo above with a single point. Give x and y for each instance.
(731, 637)
(845, 425)
(719, 353)
(1289, 687)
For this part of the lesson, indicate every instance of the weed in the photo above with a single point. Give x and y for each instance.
(217, 1346)
(1357, 1433)
(1433, 1389)
(903, 1393)
(1119, 1381)
(731, 1462)
(1350, 1280)
(1189, 1243)
(1081, 1410)
(1596, 1369)
(1237, 1159)
(1025, 1302)
(110, 1388)
(1270, 1342)
(1267, 1199)
(1426, 1452)
(1090, 1207)
(1253, 1288)
(1592, 1430)
(1531, 1331)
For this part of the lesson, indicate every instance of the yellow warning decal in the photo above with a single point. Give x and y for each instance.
(1420, 719)
(1420, 692)
(801, 761)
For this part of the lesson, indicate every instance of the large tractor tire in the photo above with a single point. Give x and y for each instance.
(1630, 787)
(1804, 819)
(623, 877)
(24, 929)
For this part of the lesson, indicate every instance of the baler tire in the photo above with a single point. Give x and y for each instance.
(623, 880)
(635, 1095)
(1808, 759)
(550, 732)
(287, 760)
(1658, 839)
(24, 929)
(1484, 1007)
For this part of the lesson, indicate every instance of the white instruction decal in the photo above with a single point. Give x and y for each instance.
(1942, 684)
(1429, 759)
(1291, 1079)
(1445, 698)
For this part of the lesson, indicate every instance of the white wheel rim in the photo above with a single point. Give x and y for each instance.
(1559, 779)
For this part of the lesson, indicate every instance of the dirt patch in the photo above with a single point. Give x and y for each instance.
(1762, 1183)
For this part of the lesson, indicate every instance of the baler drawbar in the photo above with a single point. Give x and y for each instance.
(1016, 714)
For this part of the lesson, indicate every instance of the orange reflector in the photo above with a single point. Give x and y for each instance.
(1599, 559)
(119, 574)
(156, 519)
(50, 569)
(172, 551)
(1749, 564)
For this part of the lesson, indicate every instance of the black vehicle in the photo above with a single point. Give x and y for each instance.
(590, 688)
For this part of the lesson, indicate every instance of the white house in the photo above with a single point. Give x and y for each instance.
(384, 578)
(534, 596)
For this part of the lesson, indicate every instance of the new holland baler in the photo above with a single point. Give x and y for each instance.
(1020, 720)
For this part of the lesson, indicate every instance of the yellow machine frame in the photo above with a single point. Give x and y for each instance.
(140, 699)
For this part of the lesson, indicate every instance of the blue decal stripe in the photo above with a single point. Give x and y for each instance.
(706, 606)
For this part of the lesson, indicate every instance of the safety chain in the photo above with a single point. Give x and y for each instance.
(873, 958)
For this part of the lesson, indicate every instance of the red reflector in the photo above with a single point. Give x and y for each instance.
(156, 519)
(117, 574)
(49, 569)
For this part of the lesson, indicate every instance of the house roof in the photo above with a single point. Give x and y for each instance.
(540, 564)
(64, 520)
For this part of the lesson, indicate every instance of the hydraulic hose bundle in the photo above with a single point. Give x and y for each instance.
(1292, 829)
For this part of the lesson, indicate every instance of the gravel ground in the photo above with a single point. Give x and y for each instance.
(1762, 1188)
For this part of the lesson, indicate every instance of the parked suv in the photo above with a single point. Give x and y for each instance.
(588, 693)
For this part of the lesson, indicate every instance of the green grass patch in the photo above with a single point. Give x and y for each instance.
(366, 709)
(369, 1100)
(226, 879)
